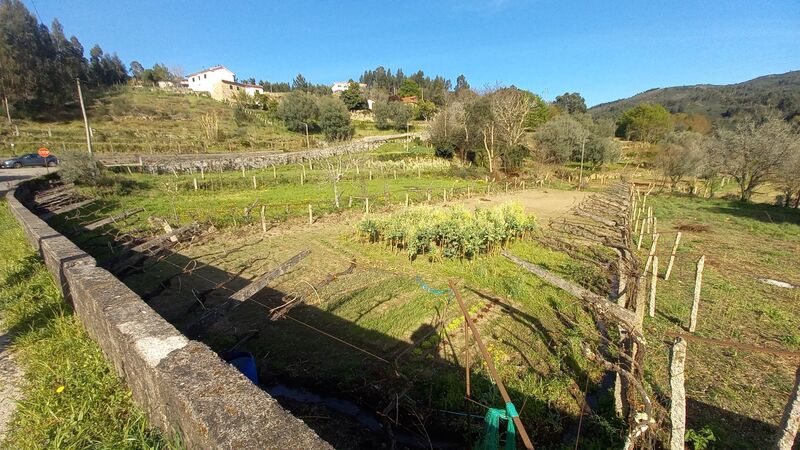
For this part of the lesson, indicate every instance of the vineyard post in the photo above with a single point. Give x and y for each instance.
(274, 174)
(255, 186)
(672, 256)
(302, 177)
(790, 421)
(195, 183)
(506, 186)
(366, 205)
(202, 173)
(653, 282)
(242, 171)
(350, 202)
(370, 173)
(677, 410)
(466, 357)
(655, 224)
(523, 185)
(652, 254)
(263, 218)
(310, 215)
(419, 172)
(444, 195)
(649, 218)
(641, 235)
(406, 199)
(469, 188)
(395, 173)
(698, 282)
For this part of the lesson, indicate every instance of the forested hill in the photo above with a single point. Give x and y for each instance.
(781, 92)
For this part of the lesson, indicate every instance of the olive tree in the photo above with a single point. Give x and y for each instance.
(752, 152)
(299, 111)
(334, 119)
(682, 154)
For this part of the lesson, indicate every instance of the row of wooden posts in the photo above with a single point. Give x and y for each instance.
(790, 421)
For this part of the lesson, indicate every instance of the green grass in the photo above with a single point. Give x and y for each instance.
(71, 397)
(738, 395)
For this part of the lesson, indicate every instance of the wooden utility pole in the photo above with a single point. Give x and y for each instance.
(8, 111)
(490, 365)
(85, 118)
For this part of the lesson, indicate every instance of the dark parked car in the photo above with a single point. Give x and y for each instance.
(29, 160)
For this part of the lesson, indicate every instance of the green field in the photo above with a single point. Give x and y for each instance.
(364, 303)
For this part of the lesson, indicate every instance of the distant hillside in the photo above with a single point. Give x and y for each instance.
(781, 92)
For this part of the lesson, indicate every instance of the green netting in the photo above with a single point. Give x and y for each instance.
(424, 286)
(491, 433)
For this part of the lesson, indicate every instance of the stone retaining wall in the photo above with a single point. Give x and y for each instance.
(182, 385)
(253, 160)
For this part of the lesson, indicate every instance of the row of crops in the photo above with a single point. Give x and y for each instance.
(453, 232)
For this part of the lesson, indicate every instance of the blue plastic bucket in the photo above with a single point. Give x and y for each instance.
(245, 362)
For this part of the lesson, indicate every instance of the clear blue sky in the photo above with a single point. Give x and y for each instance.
(604, 50)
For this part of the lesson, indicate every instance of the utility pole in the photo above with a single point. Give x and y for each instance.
(8, 112)
(308, 142)
(85, 118)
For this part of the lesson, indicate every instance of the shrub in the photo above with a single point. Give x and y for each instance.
(449, 232)
(297, 110)
(392, 115)
(334, 119)
(78, 167)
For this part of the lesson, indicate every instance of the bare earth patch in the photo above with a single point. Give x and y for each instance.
(544, 204)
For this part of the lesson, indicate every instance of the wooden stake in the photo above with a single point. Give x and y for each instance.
(195, 183)
(263, 218)
(672, 256)
(202, 173)
(444, 195)
(242, 171)
(490, 365)
(406, 199)
(677, 410)
(698, 282)
(366, 205)
(790, 422)
(350, 202)
(655, 224)
(255, 186)
(466, 358)
(310, 215)
(641, 235)
(653, 282)
(274, 174)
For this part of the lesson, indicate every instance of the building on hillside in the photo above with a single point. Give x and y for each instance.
(341, 86)
(411, 100)
(220, 83)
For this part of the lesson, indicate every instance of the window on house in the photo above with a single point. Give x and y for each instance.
(230, 87)
(205, 75)
(192, 79)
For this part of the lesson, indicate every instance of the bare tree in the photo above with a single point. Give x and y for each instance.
(336, 167)
(788, 178)
(753, 152)
(510, 107)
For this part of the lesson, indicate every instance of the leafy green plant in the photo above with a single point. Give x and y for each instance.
(700, 439)
(449, 232)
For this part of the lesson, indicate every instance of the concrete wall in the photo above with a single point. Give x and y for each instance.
(182, 385)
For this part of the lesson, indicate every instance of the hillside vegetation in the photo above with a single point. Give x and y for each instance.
(781, 91)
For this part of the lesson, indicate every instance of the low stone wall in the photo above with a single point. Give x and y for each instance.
(182, 385)
(155, 163)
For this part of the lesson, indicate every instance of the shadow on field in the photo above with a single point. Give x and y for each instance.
(342, 378)
(761, 212)
(731, 430)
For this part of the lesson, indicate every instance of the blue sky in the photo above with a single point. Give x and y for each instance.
(604, 50)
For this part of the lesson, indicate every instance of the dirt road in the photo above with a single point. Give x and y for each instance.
(545, 204)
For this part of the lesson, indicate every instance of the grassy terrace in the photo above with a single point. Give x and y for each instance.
(739, 395)
(71, 397)
(145, 120)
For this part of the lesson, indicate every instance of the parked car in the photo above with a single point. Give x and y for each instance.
(29, 160)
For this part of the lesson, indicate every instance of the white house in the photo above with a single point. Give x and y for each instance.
(205, 80)
(341, 86)
(220, 83)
